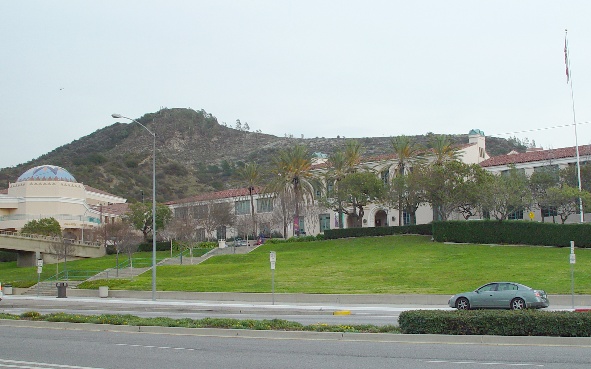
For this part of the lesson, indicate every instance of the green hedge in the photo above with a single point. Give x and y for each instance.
(516, 232)
(424, 229)
(497, 322)
(160, 246)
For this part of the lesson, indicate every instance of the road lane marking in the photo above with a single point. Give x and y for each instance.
(483, 363)
(4, 363)
(157, 347)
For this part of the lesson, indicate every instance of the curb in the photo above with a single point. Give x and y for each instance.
(301, 335)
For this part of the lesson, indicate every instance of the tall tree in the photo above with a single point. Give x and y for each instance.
(406, 151)
(361, 189)
(407, 192)
(540, 182)
(565, 199)
(443, 149)
(140, 216)
(340, 164)
(506, 194)
(252, 176)
(293, 179)
(454, 186)
(44, 226)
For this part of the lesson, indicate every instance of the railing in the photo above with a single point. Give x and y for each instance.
(81, 218)
(72, 275)
(50, 238)
(137, 263)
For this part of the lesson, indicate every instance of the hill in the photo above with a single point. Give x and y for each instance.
(195, 154)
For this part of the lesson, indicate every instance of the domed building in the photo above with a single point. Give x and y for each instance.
(51, 191)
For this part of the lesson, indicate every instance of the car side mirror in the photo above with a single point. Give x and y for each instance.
(476, 291)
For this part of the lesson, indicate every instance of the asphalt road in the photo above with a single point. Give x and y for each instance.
(302, 313)
(52, 345)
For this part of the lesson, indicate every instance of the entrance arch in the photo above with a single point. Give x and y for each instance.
(381, 219)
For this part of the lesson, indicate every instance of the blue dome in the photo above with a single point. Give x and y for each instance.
(46, 173)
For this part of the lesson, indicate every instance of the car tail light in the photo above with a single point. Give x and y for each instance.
(541, 294)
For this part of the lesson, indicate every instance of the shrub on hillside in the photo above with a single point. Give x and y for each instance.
(422, 229)
(516, 232)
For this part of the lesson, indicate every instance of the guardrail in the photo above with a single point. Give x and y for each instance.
(50, 238)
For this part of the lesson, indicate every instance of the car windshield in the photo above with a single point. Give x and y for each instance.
(488, 287)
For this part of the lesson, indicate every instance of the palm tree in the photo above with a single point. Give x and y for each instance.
(293, 179)
(406, 150)
(443, 149)
(251, 175)
(342, 163)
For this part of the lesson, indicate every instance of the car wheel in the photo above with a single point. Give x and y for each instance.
(462, 304)
(517, 304)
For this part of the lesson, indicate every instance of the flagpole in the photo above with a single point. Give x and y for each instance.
(569, 80)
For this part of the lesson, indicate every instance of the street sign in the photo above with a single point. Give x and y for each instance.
(572, 258)
(40, 262)
(531, 215)
(272, 259)
(39, 270)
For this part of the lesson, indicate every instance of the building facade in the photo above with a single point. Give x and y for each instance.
(273, 218)
(50, 191)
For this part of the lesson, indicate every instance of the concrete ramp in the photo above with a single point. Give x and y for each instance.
(28, 245)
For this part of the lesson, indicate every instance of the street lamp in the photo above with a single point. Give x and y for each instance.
(118, 116)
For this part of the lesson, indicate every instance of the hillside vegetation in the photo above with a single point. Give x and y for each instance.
(195, 154)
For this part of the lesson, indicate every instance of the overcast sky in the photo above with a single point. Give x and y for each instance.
(313, 68)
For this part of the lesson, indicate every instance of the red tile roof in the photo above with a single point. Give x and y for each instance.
(540, 155)
(113, 209)
(95, 190)
(238, 192)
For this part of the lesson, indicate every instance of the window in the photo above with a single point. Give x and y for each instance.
(201, 234)
(405, 218)
(515, 214)
(221, 232)
(181, 213)
(329, 189)
(298, 224)
(265, 229)
(385, 176)
(549, 211)
(265, 205)
(324, 222)
(242, 207)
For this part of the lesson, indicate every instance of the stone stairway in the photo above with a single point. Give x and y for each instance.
(48, 288)
(199, 259)
(123, 273)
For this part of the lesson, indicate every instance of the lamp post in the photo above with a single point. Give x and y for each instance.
(118, 116)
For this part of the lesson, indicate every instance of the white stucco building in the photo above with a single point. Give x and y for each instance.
(315, 219)
(51, 191)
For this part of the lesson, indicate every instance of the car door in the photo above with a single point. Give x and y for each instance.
(504, 294)
(484, 296)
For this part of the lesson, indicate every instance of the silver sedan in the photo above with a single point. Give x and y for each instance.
(500, 295)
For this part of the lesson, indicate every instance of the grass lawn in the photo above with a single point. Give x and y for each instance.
(392, 264)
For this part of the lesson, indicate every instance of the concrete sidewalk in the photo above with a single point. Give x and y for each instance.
(581, 301)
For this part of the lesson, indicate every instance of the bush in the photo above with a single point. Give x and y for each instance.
(496, 322)
(422, 229)
(160, 246)
(513, 232)
(8, 256)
